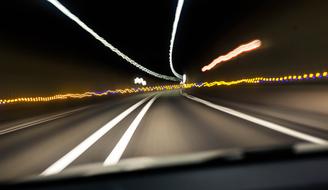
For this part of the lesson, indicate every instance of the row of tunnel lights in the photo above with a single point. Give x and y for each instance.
(168, 87)
(297, 77)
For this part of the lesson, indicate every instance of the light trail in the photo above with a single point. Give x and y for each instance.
(174, 30)
(255, 80)
(234, 53)
(64, 10)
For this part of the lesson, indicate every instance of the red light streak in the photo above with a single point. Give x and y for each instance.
(234, 53)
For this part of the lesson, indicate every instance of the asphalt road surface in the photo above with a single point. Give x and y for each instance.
(162, 124)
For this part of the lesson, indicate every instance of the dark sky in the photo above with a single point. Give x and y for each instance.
(44, 52)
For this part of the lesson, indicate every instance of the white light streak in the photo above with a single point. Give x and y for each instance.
(174, 30)
(184, 79)
(64, 10)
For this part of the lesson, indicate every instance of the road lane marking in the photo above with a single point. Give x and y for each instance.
(67, 159)
(116, 154)
(40, 121)
(261, 122)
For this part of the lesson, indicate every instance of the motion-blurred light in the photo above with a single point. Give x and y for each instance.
(68, 13)
(234, 53)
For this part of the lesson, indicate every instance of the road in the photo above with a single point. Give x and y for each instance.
(155, 125)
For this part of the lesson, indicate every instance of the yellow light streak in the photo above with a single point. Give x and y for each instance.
(255, 80)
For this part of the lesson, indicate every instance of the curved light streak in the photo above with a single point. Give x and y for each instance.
(234, 53)
(174, 30)
(64, 10)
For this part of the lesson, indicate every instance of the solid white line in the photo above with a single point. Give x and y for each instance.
(118, 150)
(261, 122)
(39, 121)
(63, 162)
